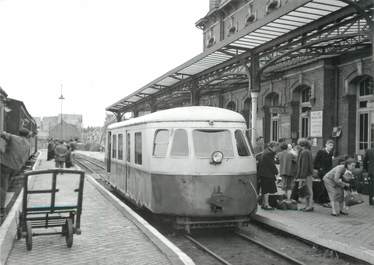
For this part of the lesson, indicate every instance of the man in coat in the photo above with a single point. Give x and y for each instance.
(267, 172)
(369, 167)
(60, 154)
(323, 164)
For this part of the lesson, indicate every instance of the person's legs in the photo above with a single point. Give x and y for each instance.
(266, 200)
(331, 193)
(371, 189)
(309, 198)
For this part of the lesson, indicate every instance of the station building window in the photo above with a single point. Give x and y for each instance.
(161, 143)
(180, 143)
(231, 106)
(365, 114)
(114, 146)
(138, 148)
(120, 146)
(305, 108)
(128, 147)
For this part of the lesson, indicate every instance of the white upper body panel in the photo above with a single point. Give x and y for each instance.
(185, 114)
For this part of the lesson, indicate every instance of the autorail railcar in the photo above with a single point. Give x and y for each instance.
(191, 164)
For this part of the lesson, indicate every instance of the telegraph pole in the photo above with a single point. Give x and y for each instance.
(61, 98)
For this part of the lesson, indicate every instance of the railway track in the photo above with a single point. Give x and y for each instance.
(242, 249)
(95, 167)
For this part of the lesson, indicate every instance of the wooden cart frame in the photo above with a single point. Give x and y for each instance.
(68, 217)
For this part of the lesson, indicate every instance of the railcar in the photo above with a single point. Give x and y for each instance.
(191, 164)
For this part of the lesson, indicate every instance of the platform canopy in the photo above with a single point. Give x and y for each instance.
(301, 30)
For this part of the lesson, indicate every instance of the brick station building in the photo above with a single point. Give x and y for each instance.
(292, 68)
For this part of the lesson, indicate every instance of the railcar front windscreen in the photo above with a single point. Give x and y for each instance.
(208, 141)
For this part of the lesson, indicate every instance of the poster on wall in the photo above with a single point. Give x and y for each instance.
(316, 123)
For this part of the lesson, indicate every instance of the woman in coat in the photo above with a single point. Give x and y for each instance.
(304, 172)
(267, 172)
(335, 181)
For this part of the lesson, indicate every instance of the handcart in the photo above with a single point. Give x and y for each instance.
(52, 215)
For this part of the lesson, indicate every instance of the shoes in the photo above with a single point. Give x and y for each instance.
(326, 205)
(343, 213)
(267, 208)
(308, 209)
(334, 214)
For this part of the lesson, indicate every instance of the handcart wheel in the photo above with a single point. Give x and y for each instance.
(63, 230)
(19, 228)
(28, 236)
(69, 233)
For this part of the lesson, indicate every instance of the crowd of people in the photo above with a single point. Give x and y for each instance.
(61, 152)
(298, 171)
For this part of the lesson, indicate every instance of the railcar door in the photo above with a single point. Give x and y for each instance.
(128, 159)
(108, 151)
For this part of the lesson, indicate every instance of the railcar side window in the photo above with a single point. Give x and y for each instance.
(180, 143)
(208, 141)
(161, 142)
(114, 146)
(241, 144)
(138, 148)
(128, 142)
(120, 146)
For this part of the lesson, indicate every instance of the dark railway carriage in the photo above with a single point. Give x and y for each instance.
(191, 163)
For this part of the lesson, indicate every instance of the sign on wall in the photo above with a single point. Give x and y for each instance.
(316, 123)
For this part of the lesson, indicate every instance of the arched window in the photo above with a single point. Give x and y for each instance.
(231, 106)
(305, 108)
(274, 118)
(365, 113)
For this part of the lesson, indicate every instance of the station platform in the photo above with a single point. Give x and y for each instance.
(111, 233)
(352, 235)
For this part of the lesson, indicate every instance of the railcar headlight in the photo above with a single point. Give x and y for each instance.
(217, 157)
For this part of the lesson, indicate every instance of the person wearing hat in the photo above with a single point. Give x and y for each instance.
(51, 149)
(60, 154)
(336, 180)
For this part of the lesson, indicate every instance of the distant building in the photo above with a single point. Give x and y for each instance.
(65, 131)
(50, 127)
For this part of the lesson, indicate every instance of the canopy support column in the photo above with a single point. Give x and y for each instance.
(255, 89)
(195, 94)
(119, 116)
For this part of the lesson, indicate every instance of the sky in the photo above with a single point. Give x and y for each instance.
(99, 51)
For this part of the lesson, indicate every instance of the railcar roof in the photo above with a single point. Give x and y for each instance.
(195, 113)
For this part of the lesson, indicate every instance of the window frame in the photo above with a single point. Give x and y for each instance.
(120, 146)
(244, 140)
(128, 147)
(136, 155)
(217, 129)
(154, 143)
(172, 144)
(114, 146)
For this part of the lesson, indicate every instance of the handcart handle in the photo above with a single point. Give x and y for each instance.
(42, 191)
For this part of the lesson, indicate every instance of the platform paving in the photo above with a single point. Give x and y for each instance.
(108, 236)
(352, 234)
